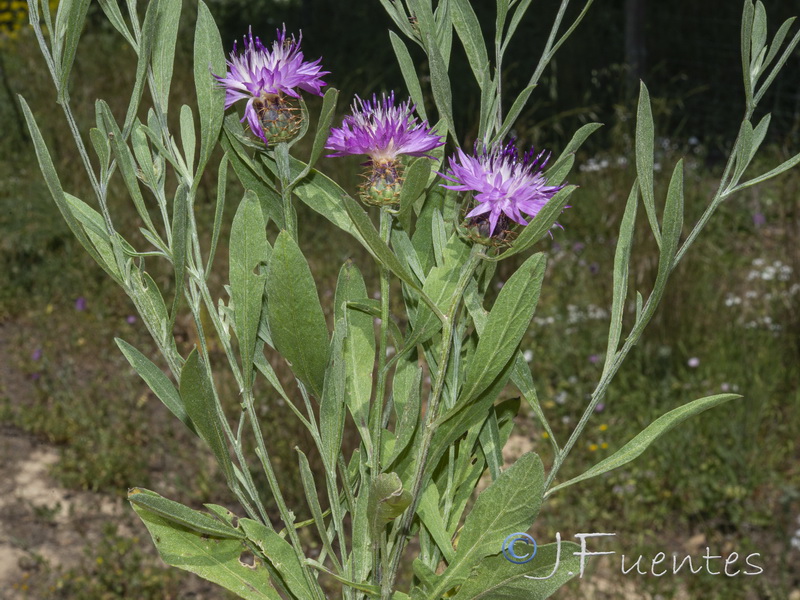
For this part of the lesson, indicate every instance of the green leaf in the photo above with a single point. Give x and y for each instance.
(409, 72)
(209, 59)
(541, 224)
(95, 228)
(54, 185)
(182, 515)
(253, 177)
(407, 400)
(297, 323)
(114, 16)
(440, 83)
(622, 257)
(222, 181)
(508, 505)
(507, 323)
(514, 112)
(785, 166)
(491, 445)
(759, 133)
(673, 224)
(69, 26)
(359, 345)
(332, 404)
(157, 381)
(248, 249)
(126, 164)
(379, 249)
(217, 560)
(469, 30)
(430, 515)
(280, 554)
(777, 41)
(151, 305)
(166, 34)
(647, 436)
(743, 150)
(312, 499)
(198, 399)
(759, 35)
(180, 233)
(645, 133)
(555, 174)
(323, 125)
(188, 139)
(415, 180)
(496, 578)
(746, 43)
(387, 501)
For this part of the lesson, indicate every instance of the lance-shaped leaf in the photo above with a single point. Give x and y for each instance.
(506, 325)
(409, 71)
(622, 258)
(155, 379)
(332, 405)
(182, 515)
(198, 399)
(280, 554)
(645, 133)
(647, 436)
(209, 58)
(496, 578)
(555, 174)
(469, 30)
(323, 126)
(69, 26)
(359, 345)
(387, 501)
(163, 58)
(248, 249)
(541, 224)
(219, 560)
(508, 505)
(297, 323)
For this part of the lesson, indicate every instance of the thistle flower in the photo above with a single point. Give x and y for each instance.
(383, 132)
(268, 80)
(504, 185)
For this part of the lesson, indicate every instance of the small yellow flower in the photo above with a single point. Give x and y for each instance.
(604, 445)
(592, 447)
(48, 309)
(603, 427)
(545, 435)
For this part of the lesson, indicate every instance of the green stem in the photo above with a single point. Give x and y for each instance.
(375, 420)
(420, 470)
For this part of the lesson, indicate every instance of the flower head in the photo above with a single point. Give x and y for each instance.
(503, 184)
(264, 78)
(382, 131)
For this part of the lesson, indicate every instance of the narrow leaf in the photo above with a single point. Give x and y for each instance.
(647, 436)
(182, 515)
(198, 399)
(645, 133)
(408, 69)
(297, 323)
(157, 381)
(217, 560)
(209, 59)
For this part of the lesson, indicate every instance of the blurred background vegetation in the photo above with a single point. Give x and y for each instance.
(730, 321)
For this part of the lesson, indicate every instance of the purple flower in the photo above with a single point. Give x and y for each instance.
(263, 77)
(36, 354)
(80, 303)
(382, 131)
(503, 184)
(693, 362)
(600, 407)
(759, 220)
(594, 359)
(130, 319)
